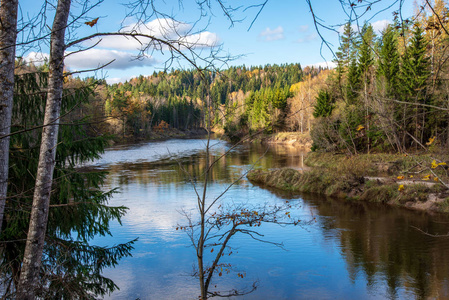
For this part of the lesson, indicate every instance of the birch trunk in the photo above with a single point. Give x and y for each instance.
(8, 34)
(29, 277)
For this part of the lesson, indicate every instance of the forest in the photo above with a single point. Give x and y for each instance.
(242, 100)
(387, 94)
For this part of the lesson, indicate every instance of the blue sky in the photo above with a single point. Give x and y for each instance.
(283, 32)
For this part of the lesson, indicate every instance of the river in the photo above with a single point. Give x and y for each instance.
(349, 250)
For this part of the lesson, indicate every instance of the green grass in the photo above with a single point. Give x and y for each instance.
(341, 176)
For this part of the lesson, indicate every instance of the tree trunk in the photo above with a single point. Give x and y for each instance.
(8, 34)
(29, 277)
(367, 113)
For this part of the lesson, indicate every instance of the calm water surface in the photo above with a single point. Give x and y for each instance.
(352, 251)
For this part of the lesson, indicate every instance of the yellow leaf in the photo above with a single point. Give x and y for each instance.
(435, 179)
(92, 23)
(401, 187)
(442, 164)
(431, 140)
(360, 127)
(400, 177)
(434, 164)
(411, 176)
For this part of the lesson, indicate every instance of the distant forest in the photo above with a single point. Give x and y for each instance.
(242, 100)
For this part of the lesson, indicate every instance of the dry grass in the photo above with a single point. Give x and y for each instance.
(342, 176)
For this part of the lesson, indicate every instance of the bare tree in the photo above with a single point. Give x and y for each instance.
(8, 34)
(29, 276)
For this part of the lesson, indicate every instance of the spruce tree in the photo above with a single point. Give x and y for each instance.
(352, 83)
(388, 85)
(346, 51)
(345, 55)
(324, 105)
(388, 62)
(415, 72)
(71, 267)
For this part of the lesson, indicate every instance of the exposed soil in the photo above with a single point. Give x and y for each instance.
(298, 140)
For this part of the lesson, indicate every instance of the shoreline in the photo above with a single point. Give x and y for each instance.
(378, 178)
(302, 141)
(161, 136)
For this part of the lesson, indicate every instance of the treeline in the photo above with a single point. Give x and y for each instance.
(239, 98)
(388, 92)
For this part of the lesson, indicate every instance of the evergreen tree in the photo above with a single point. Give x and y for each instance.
(414, 75)
(346, 51)
(388, 85)
(324, 105)
(388, 62)
(71, 267)
(365, 52)
(415, 66)
(352, 83)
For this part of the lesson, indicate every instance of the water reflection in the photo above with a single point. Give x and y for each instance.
(382, 244)
(353, 251)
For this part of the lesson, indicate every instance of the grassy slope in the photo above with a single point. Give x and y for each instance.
(346, 177)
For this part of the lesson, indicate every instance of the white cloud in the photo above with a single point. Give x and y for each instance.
(308, 38)
(113, 80)
(323, 64)
(164, 29)
(379, 26)
(37, 58)
(303, 28)
(201, 40)
(94, 58)
(269, 34)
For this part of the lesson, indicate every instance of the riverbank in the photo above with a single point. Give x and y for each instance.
(406, 181)
(161, 135)
(302, 141)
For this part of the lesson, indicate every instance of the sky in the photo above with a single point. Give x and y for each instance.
(283, 32)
